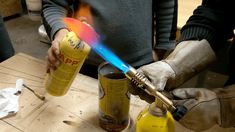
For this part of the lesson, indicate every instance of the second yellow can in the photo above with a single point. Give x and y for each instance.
(114, 98)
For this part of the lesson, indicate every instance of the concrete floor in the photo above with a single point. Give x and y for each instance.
(25, 38)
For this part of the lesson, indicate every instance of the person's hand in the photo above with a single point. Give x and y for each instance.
(54, 51)
(203, 107)
(158, 73)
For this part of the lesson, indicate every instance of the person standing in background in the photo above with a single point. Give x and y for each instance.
(125, 26)
(6, 48)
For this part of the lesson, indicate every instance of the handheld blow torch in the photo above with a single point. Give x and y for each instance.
(86, 33)
(142, 82)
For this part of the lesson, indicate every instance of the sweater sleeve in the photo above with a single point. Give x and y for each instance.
(211, 21)
(165, 16)
(52, 13)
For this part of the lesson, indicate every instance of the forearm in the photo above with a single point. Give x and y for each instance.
(52, 13)
(188, 59)
(166, 24)
(227, 105)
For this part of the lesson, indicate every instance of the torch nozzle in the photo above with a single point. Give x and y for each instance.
(142, 82)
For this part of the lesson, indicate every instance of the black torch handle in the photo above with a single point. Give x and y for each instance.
(179, 112)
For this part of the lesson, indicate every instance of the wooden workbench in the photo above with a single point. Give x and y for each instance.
(79, 105)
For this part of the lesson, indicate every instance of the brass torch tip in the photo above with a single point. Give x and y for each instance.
(142, 82)
(131, 73)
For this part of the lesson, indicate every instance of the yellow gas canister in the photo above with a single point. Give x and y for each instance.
(155, 119)
(73, 53)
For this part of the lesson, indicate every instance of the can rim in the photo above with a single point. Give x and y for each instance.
(115, 70)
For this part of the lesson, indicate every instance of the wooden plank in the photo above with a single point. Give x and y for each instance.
(79, 106)
(36, 115)
(5, 127)
(10, 7)
(30, 70)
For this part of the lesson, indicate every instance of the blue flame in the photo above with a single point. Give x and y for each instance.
(110, 57)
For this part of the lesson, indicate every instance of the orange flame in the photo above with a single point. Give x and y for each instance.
(84, 31)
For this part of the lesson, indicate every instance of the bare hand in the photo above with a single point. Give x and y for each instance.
(54, 51)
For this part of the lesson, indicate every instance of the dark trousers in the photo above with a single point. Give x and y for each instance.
(6, 48)
(89, 70)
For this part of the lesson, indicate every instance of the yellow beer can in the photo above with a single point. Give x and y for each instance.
(73, 53)
(114, 98)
